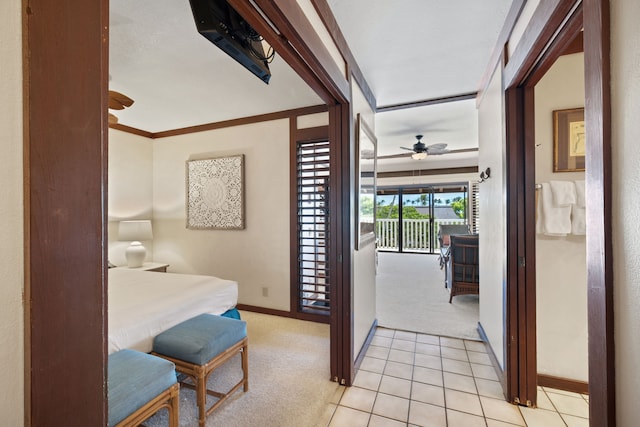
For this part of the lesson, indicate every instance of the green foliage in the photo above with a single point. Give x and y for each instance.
(408, 212)
(459, 206)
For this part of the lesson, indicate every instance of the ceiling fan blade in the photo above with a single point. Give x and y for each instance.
(112, 119)
(461, 150)
(405, 148)
(118, 101)
(395, 156)
(436, 147)
(436, 153)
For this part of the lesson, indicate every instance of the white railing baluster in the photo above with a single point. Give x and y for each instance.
(416, 233)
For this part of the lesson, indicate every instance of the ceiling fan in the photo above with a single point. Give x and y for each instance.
(118, 101)
(420, 150)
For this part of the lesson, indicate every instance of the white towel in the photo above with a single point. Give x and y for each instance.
(578, 220)
(564, 192)
(580, 195)
(552, 220)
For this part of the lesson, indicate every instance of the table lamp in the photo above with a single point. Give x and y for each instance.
(135, 232)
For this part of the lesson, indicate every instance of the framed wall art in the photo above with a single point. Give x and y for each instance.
(569, 147)
(215, 193)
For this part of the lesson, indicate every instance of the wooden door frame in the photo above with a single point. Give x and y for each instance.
(299, 44)
(65, 190)
(65, 211)
(550, 30)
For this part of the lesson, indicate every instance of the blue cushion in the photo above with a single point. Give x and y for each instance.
(232, 313)
(133, 379)
(200, 339)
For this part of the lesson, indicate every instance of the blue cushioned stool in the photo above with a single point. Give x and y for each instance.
(200, 345)
(139, 385)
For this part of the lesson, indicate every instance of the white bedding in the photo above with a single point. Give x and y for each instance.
(142, 304)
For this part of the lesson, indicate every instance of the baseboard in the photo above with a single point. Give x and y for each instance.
(565, 384)
(264, 310)
(365, 346)
(502, 378)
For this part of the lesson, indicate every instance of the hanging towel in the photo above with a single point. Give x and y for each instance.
(564, 192)
(580, 194)
(578, 220)
(553, 220)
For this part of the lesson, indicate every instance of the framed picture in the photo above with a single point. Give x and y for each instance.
(366, 146)
(568, 140)
(215, 193)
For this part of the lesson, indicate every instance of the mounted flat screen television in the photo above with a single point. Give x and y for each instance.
(223, 26)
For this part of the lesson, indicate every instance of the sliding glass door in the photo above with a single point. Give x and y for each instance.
(408, 217)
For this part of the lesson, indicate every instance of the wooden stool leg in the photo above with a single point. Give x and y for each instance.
(245, 366)
(201, 395)
(174, 408)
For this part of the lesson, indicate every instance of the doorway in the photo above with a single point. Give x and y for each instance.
(554, 29)
(408, 218)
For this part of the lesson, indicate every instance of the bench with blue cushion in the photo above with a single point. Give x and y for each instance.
(139, 385)
(200, 345)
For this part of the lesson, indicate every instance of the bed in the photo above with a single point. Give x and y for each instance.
(142, 304)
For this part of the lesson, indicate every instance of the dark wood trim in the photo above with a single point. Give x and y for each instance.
(514, 105)
(342, 245)
(282, 46)
(427, 172)
(426, 102)
(318, 133)
(131, 130)
(293, 215)
(502, 378)
(527, 249)
(565, 384)
(548, 19)
(557, 47)
(288, 17)
(365, 346)
(242, 121)
(498, 53)
(576, 45)
(314, 134)
(329, 20)
(65, 208)
(602, 387)
(265, 310)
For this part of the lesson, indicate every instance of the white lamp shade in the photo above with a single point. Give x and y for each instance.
(419, 156)
(129, 231)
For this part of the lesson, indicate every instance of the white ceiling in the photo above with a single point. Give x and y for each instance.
(409, 50)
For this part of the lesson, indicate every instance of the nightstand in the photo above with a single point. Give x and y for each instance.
(149, 266)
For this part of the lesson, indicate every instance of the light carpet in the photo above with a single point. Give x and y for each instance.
(410, 295)
(289, 382)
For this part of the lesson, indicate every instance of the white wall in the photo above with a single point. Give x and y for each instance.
(492, 215)
(11, 212)
(364, 268)
(255, 257)
(625, 87)
(130, 187)
(561, 270)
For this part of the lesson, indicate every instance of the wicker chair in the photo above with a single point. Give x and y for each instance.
(444, 233)
(465, 276)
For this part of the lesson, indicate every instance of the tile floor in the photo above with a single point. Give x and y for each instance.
(410, 379)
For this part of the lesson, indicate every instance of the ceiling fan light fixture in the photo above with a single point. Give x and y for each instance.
(419, 156)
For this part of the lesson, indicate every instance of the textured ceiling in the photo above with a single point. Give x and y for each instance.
(409, 50)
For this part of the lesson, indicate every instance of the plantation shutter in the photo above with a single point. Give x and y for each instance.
(474, 207)
(313, 227)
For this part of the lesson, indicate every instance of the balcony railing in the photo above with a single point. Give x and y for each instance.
(416, 233)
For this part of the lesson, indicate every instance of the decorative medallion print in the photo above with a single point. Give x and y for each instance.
(215, 194)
